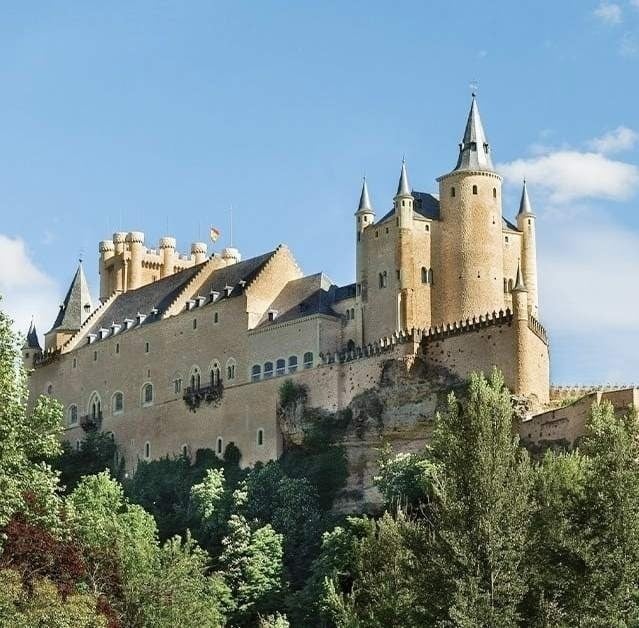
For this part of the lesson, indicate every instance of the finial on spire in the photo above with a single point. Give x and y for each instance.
(520, 286)
(524, 204)
(403, 188)
(364, 199)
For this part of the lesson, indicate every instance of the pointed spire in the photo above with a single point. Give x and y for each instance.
(365, 204)
(403, 188)
(32, 341)
(77, 304)
(520, 286)
(524, 204)
(474, 151)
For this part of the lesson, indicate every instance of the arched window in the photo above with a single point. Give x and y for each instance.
(350, 345)
(430, 275)
(195, 378)
(215, 373)
(494, 192)
(424, 274)
(308, 360)
(352, 313)
(147, 450)
(268, 370)
(230, 368)
(256, 373)
(292, 364)
(95, 407)
(49, 389)
(280, 366)
(72, 415)
(147, 394)
(117, 403)
(219, 446)
(381, 280)
(260, 437)
(452, 192)
(348, 315)
(474, 189)
(185, 451)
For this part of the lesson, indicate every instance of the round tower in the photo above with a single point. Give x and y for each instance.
(364, 217)
(167, 251)
(119, 238)
(231, 255)
(526, 224)
(107, 251)
(135, 240)
(522, 336)
(470, 273)
(403, 203)
(119, 242)
(198, 251)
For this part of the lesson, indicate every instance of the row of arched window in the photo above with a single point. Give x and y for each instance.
(280, 367)
(94, 407)
(214, 376)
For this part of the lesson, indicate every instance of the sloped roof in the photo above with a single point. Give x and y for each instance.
(161, 294)
(31, 340)
(74, 311)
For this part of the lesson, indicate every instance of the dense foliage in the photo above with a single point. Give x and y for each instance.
(474, 533)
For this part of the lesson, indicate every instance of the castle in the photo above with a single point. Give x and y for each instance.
(185, 352)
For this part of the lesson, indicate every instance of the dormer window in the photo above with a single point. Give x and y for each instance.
(473, 146)
(272, 315)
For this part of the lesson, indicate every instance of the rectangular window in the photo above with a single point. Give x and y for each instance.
(178, 386)
(216, 318)
(95, 356)
(195, 323)
(117, 347)
(146, 347)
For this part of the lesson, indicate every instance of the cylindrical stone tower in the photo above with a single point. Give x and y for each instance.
(107, 250)
(198, 250)
(526, 224)
(167, 251)
(135, 240)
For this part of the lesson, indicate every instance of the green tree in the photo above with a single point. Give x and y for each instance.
(481, 507)
(27, 437)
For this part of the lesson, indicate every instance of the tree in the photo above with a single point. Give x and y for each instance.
(252, 568)
(27, 437)
(481, 507)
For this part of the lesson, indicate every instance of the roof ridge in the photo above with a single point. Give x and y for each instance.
(70, 344)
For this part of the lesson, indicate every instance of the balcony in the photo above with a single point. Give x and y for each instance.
(211, 394)
(90, 422)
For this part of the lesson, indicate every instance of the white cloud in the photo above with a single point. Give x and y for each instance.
(608, 12)
(26, 290)
(622, 138)
(629, 45)
(569, 175)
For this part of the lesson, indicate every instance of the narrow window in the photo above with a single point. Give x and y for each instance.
(377, 234)
(430, 275)
(50, 389)
(308, 360)
(427, 227)
(256, 373)
(117, 347)
(147, 450)
(219, 445)
(73, 415)
(352, 313)
(381, 280)
(494, 192)
(280, 367)
(75, 362)
(147, 347)
(348, 315)
(424, 275)
(452, 192)
(95, 356)
(77, 445)
(147, 394)
(195, 323)
(230, 369)
(216, 318)
(268, 370)
(216, 374)
(185, 451)
(474, 189)
(506, 238)
(260, 437)
(292, 364)
(117, 404)
(177, 386)
(387, 231)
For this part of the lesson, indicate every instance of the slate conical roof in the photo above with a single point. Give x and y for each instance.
(520, 286)
(403, 188)
(365, 204)
(32, 341)
(474, 151)
(524, 204)
(77, 304)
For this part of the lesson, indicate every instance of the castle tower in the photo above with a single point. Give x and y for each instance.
(470, 265)
(364, 216)
(198, 251)
(31, 347)
(75, 309)
(107, 251)
(167, 251)
(135, 240)
(526, 224)
(403, 203)
(522, 336)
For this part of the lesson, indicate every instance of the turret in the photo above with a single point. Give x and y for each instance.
(31, 347)
(135, 240)
(470, 264)
(231, 255)
(107, 251)
(403, 203)
(526, 224)
(198, 251)
(364, 217)
(167, 251)
(522, 334)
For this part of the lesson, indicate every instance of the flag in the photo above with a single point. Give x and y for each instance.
(215, 234)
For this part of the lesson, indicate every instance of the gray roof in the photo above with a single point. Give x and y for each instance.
(77, 304)
(160, 294)
(425, 205)
(302, 297)
(474, 151)
(403, 188)
(520, 286)
(31, 340)
(364, 199)
(524, 203)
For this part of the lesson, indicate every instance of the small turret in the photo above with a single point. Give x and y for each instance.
(31, 347)
(167, 251)
(526, 224)
(135, 240)
(231, 255)
(404, 200)
(365, 214)
(198, 251)
(404, 254)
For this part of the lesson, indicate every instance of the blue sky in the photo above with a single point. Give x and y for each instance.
(159, 116)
